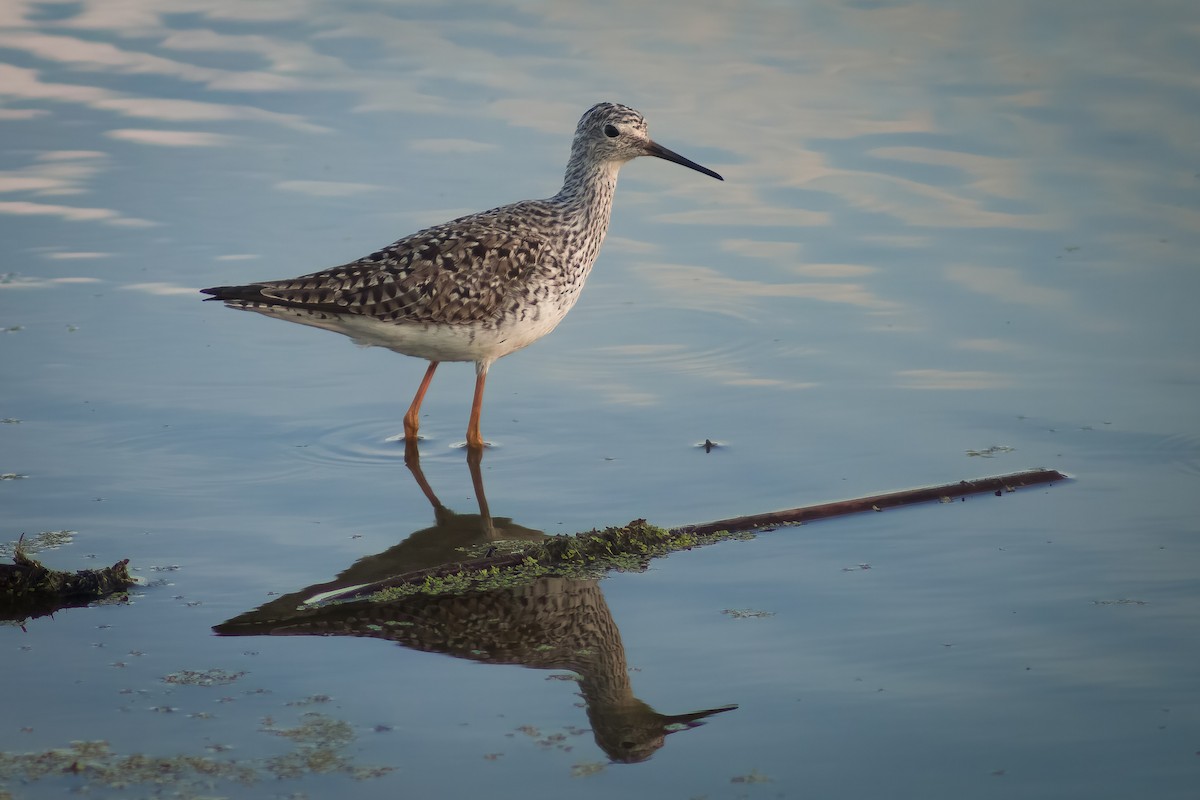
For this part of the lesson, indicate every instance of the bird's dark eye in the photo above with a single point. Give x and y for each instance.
(611, 131)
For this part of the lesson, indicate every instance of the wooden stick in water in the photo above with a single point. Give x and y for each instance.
(997, 485)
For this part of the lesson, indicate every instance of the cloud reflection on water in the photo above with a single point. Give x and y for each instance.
(25, 208)
(160, 138)
(704, 289)
(871, 150)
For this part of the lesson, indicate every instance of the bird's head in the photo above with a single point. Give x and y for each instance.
(613, 132)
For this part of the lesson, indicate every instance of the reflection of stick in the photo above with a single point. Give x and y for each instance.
(633, 539)
(997, 485)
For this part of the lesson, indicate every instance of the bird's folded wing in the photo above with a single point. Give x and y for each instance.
(446, 274)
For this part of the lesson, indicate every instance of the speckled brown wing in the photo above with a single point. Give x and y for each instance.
(466, 270)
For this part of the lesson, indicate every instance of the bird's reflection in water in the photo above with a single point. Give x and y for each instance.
(551, 623)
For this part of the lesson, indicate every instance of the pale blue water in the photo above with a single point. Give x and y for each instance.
(944, 227)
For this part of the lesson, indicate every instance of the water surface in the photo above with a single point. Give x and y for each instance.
(946, 229)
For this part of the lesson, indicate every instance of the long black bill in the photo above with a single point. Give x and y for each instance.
(657, 150)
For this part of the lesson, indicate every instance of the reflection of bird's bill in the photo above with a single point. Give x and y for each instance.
(657, 150)
(682, 722)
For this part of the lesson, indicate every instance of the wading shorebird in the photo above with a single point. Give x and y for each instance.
(479, 287)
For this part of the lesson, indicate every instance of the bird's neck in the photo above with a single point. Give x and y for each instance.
(587, 193)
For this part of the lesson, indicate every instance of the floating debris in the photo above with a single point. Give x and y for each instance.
(210, 677)
(747, 613)
(320, 740)
(587, 768)
(28, 589)
(46, 540)
(753, 777)
(549, 741)
(319, 743)
(991, 452)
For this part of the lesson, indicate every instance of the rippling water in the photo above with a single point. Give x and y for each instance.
(955, 239)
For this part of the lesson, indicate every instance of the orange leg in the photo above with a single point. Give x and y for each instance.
(411, 419)
(474, 437)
